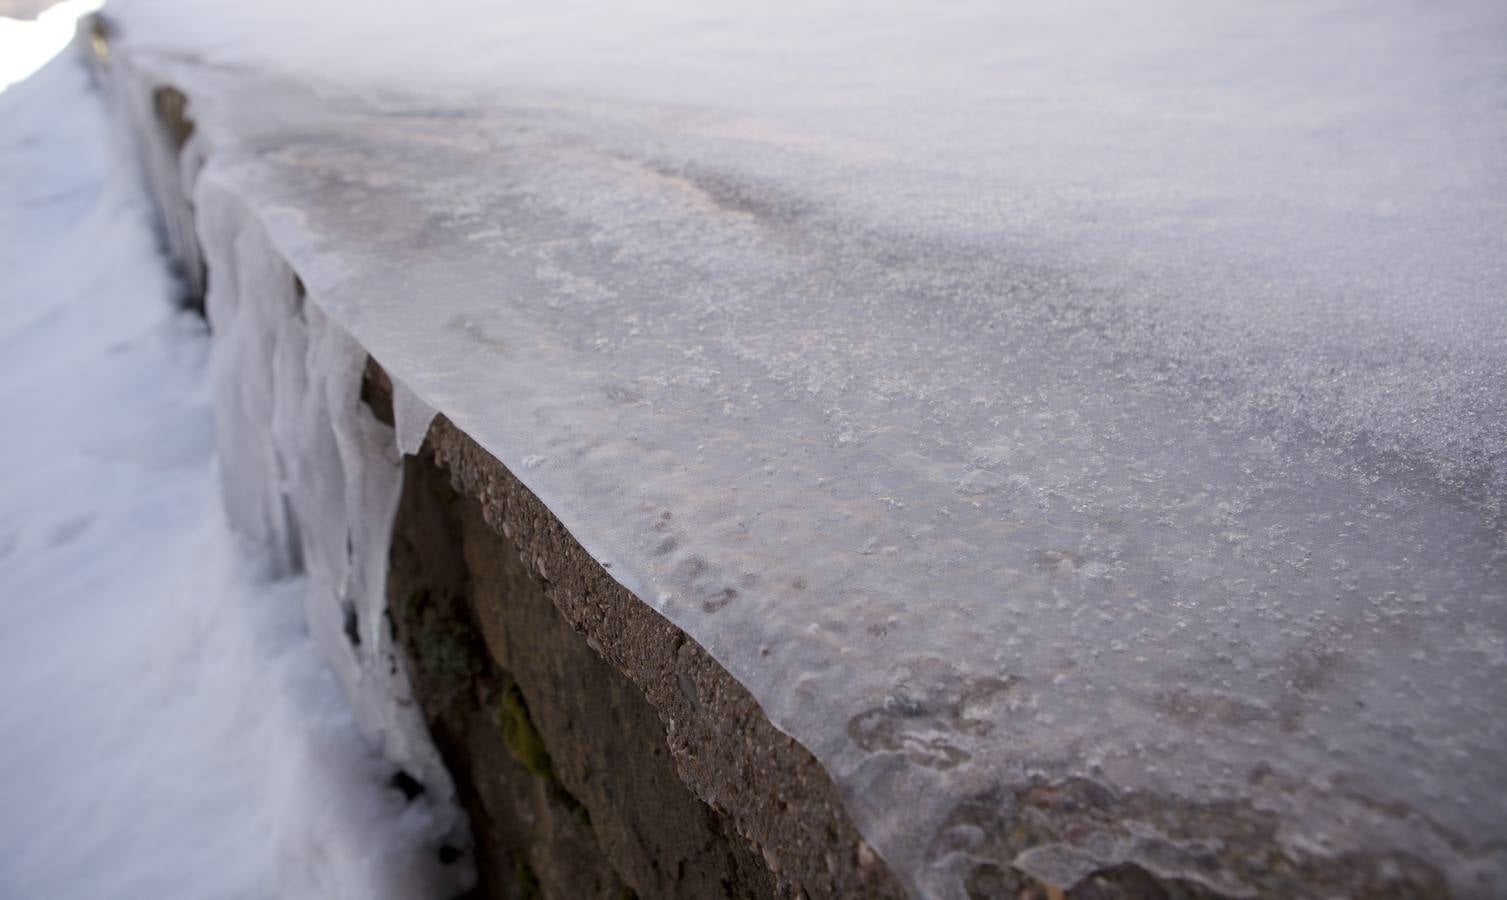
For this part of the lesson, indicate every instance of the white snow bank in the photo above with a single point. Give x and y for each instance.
(166, 726)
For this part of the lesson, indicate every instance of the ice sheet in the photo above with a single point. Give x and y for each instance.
(1005, 395)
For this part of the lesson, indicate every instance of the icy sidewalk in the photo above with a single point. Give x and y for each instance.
(166, 728)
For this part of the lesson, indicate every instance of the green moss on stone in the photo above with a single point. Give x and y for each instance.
(519, 734)
(412, 604)
(527, 881)
(444, 653)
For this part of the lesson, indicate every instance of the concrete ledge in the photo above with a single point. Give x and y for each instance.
(1027, 644)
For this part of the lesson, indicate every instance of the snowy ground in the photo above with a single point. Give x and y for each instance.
(166, 728)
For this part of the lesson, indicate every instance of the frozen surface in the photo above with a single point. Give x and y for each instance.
(309, 471)
(167, 727)
(1006, 395)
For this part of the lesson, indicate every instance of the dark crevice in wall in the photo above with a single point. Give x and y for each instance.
(170, 108)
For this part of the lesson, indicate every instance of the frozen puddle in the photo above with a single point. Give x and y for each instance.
(166, 726)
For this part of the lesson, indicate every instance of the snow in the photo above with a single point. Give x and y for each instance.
(170, 728)
(1033, 391)
(29, 43)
